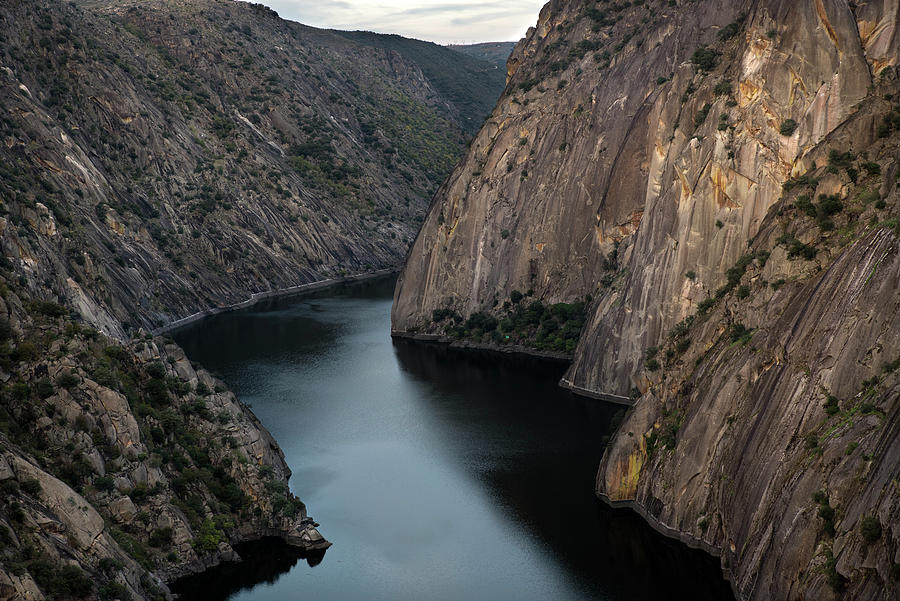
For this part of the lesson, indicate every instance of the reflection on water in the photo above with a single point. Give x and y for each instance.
(263, 562)
(436, 474)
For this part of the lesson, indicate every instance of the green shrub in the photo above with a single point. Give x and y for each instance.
(831, 405)
(103, 483)
(705, 59)
(732, 29)
(161, 537)
(705, 305)
(723, 87)
(851, 446)
(156, 370)
(48, 308)
(830, 205)
(700, 117)
(740, 334)
(826, 512)
(840, 160)
(691, 275)
(803, 203)
(157, 392)
(870, 529)
(31, 487)
(44, 388)
(208, 538)
(20, 391)
(872, 168)
(835, 580)
(68, 380)
(60, 583)
(113, 590)
(788, 127)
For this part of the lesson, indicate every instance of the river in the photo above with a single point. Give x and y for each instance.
(436, 474)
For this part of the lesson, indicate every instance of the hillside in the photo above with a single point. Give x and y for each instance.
(495, 53)
(700, 207)
(470, 83)
(122, 465)
(162, 158)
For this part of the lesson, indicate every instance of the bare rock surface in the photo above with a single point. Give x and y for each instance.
(719, 180)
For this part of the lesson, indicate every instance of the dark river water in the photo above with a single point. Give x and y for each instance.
(436, 474)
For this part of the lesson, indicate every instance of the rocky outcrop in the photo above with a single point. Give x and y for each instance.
(125, 467)
(719, 181)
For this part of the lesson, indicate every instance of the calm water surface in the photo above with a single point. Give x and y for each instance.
(437, 475)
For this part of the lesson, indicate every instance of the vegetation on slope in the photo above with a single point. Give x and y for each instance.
(471, 83)
(174, 156)
(173, 464)
(495, 53)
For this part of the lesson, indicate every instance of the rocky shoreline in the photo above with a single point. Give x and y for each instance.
(468, 345)
(259, 297)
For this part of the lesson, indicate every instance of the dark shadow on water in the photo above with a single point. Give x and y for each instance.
(262, 562)
(551, 488)
(503, 421)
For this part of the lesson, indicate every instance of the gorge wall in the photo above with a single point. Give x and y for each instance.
(716, 181)
(160, 159)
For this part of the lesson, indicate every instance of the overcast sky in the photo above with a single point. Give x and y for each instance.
(441, 21)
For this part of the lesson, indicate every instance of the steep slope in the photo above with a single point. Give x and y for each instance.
(638, 153)
(496, 53)
(160, 158)
(470, 84)
(122, 466)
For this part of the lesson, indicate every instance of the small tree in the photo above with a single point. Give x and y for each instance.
(788, 127)
(871, 529)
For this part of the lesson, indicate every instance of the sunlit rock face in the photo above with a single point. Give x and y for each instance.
(691, 195)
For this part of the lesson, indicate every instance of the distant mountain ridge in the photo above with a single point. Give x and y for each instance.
(495, 53)
(469, 82)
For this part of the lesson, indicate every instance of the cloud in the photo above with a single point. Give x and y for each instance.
(461, 21)
(439, 8)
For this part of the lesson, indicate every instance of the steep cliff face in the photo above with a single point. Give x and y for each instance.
(160, 158)
(603, 171)
(719, 181)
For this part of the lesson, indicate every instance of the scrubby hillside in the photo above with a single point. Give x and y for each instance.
(470, 84)
(122, 466)
(160, 158)
(495, 53)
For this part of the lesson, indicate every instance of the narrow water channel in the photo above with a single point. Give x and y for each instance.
(436, 474)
